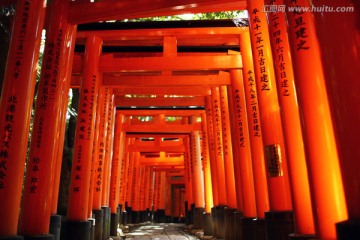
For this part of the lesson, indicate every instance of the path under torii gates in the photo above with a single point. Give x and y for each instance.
(246, 131)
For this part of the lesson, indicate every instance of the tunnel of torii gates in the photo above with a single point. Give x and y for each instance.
(249, 132)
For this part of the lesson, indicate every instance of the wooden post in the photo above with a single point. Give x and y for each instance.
(15, 108)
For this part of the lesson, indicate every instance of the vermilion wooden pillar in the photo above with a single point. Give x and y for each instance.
(320, 146)
(103, 103)
(220, 170)
(119, 137)
(304, 224)
(206, 165)
(243, 165)
(41, 167)
(279, 191)
(108, 149)
(219, 211)
(81, 167)
(189, 199)
(341, 50)
(135, 186)
(15, 108)
(129, 188)
(198, 180)
(255, 131)
(212, 150)
(124, 177)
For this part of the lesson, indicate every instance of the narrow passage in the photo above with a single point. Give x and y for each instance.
(159, 231)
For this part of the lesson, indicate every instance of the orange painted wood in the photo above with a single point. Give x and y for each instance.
(15, 108)
(212, 150)
(99, 158)
(220, 168)
(342, 94)
(135, 194)
(70, 34)
(109, 150)
(298, 174)
(165, 128)
(209, 203)
(41, 168)
(255, 129)
(272, 133)
(81, 168)
(243, 164)
(124, 177)
(162, 191)
(117, 158)
(320, 145)
(188, 173)
(197, 170)
(193, 91)
(130, 179)
(159, 101)
(227, 150)
(153, 112)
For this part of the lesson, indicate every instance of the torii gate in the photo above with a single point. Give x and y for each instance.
(265, 165)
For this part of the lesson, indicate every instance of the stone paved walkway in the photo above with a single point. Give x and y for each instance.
(159, 231)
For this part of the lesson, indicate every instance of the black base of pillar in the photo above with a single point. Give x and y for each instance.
(124, 218)
(160, 213)
(99, 225)
(129, 214)
(229, 223)
(106, 222)
(12, 238)
(302, 237)
(238, 235)
(73, 230)
(220, 222)
(168, 219)
(348, 230)
(279, 225)
(135, 217)
(213, 220)
(114, 224)
(92, 228)
(120, 211)
(192, 210)
(259, 231)
(207, 224)
(198, 217)
(40, 237)
(55, 226)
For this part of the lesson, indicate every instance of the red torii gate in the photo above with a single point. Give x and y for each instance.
(256, 86)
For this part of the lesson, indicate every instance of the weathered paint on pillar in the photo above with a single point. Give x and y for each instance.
(116, 163)
(227, 146)
(304, 223)
(162, 190)
(151, 188)
(81, 167)
(206, 165)
(255, 131)
(241, 130)
(168, 193)
(41, 167)
(15, 108)
(147, 184)
(108, 150)
(220, 172)
(342, 94)
(319, 140)
(135, 183)
(275, 156)
(197, 174)
(124, 174)
(99, 153)
(130, 177)
(212, 150)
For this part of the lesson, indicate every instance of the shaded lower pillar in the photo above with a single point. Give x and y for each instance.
(207, 224)
(160, 215)
(120, 213)
(12, 238)
(55, 226)
(229, 223)
(92, 228)
(128, 214)
(219, 222)
(135, 217)
(99, 218)
(114, 222)
(238, 230)
(40, 237)
(75, 230)
(259, 229)
(198, 217)
(213, 220)
(106, 223)
(187, 217)
(348, 230)
(279, 225)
